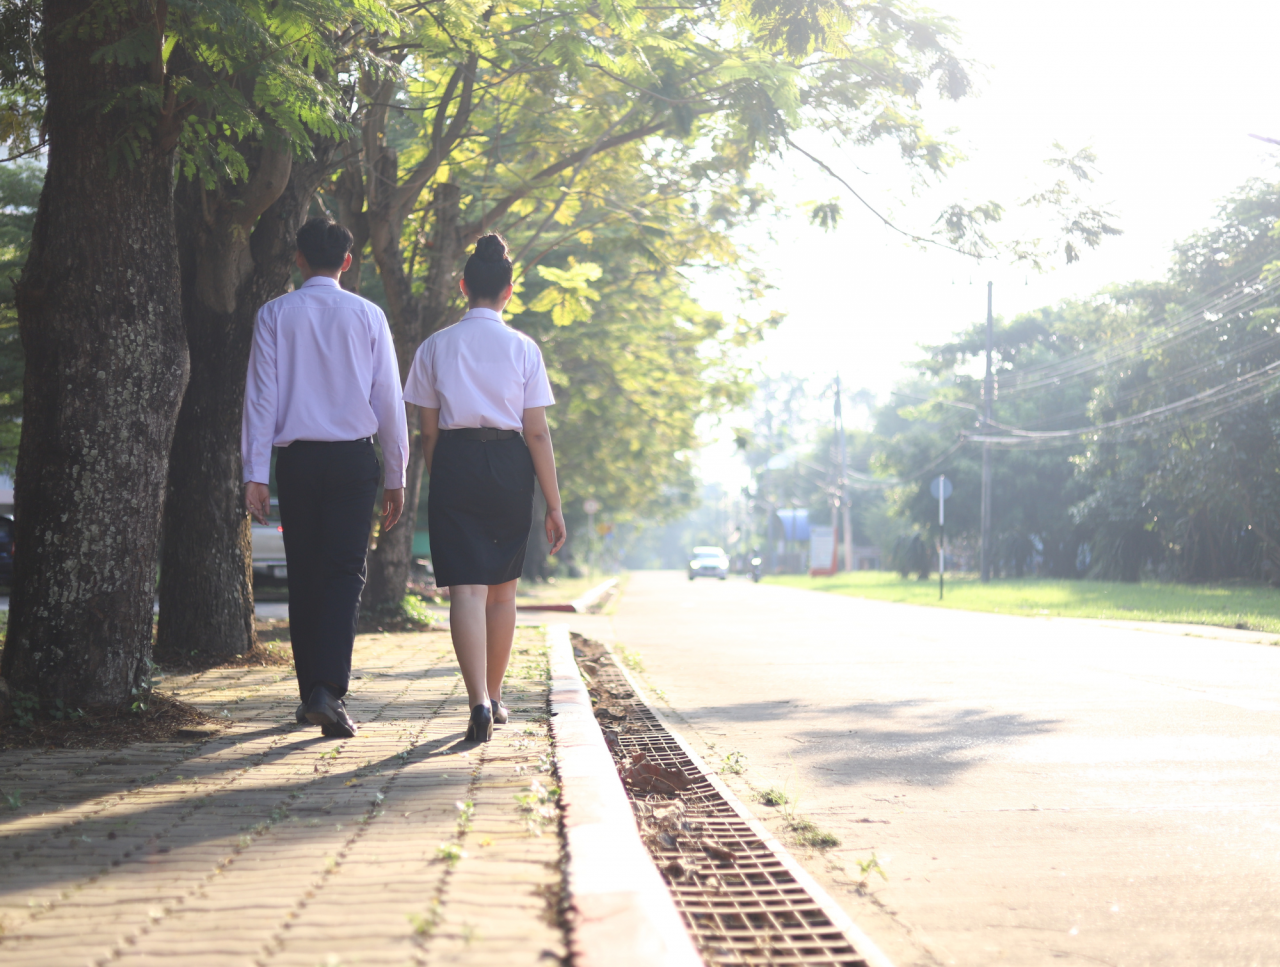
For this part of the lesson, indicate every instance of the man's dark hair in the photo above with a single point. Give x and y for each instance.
(324, 243)
(488, 271)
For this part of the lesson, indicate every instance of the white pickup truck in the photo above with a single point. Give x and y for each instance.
(268, 551)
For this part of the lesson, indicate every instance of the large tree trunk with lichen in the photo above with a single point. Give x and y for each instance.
(106, 362)
(237, 249)
(413, 318)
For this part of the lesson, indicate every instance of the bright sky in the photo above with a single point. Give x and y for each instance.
(1166, 95)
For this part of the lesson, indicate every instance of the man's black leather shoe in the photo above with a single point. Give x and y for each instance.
(330, 713)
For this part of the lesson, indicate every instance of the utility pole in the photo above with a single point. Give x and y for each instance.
(988, 392)
(846, 528)
(942, 533)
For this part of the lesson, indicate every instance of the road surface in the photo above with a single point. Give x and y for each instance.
(1037, 791)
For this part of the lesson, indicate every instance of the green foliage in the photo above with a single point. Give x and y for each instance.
(210, 78)
(773, 796)
(61, 712)
(26, 707)
(808, 833)
(417, 612)
(1193, 495)
(226, 72)
(541, 805)
(871, 865)
(21, 76)
(450, 853)
(20, 185)
(142, 691)
(424, 924)
(615, 146)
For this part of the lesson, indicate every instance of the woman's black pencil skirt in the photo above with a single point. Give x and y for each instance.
(479, 509)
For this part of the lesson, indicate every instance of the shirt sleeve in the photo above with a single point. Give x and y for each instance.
(420, 387)
(385, 400)
(537, 387)
(258, 422)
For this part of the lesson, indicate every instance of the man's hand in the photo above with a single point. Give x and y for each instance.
(257, 500)
(556, 531)
(392, 507)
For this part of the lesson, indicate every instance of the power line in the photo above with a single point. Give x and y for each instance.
(1206, 315)
(864, 481)
(1216, 401)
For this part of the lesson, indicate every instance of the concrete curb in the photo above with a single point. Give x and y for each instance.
(622, 912)
(578, 605)
(583, 603)
(867, 949)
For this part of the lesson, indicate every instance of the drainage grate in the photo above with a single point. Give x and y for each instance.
(740, 902)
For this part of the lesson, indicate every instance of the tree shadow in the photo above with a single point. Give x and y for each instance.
(911, 740)
(120, 838)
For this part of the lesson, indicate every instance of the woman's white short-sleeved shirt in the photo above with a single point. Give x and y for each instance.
(479, 372)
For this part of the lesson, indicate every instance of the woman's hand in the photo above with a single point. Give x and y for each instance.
(556, 531)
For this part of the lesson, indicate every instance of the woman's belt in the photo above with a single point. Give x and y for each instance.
(482, 433)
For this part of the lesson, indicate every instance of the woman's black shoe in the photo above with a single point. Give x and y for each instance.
(480, 728)
(500, 711)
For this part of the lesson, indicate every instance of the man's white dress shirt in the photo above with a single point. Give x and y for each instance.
(479, 372)
(323, 367)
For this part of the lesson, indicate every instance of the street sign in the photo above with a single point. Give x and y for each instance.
(822, 551)
(940, 487)
(591, 505)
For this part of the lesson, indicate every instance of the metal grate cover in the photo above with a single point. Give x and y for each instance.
(744, 908)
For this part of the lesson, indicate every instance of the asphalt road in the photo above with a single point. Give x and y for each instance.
(1038, 791)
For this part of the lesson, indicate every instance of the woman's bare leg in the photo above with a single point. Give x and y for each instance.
(467, 628)
(500, 622)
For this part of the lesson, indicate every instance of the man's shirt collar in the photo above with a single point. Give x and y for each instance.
(482, 314)
(321, 280)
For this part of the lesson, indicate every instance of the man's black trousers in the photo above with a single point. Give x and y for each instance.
(326, 495)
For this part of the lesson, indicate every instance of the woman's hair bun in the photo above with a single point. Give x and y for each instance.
(489, 269)
(491, 248)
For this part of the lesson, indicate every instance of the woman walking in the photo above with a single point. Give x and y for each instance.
(479, 385)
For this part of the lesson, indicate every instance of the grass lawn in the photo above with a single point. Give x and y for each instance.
(1254, 607)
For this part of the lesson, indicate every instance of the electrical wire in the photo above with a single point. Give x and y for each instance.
(1215, 401)
(1207, 315)
(1251, 275)
(864, 481)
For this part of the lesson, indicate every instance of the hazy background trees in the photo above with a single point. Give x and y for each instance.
(1188, 493)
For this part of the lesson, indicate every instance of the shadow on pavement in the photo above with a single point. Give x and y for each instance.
(196, 816)
(907, 740)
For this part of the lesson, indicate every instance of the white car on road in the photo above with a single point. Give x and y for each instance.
(268, 550)
(709, 562)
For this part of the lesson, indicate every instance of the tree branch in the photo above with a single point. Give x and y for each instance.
(476, 228)
(442, 139)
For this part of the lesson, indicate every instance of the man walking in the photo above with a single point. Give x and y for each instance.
(322, 380)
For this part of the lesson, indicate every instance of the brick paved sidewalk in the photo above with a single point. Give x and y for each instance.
(272, 845)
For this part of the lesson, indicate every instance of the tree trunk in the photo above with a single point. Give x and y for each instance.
(413, 319)
(206, 581)
(100, 320)
(349, 191)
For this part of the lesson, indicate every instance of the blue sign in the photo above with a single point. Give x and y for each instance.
(795, 523)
